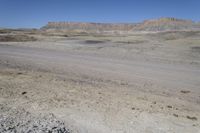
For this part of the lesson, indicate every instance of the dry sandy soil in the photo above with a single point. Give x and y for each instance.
(139, 83)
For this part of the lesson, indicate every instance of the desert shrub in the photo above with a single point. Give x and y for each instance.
(4, 31)
(16, 38)
(93, 41)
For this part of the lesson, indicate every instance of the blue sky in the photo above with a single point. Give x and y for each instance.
(36, 13)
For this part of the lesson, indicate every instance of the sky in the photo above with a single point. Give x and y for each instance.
(37, 13)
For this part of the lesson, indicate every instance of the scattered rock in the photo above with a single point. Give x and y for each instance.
(194, 125)
(23, 93)
(124, 83)
(154, 102)
(19, 73)
(133, 108)
(169, 106)
(175, 115)
(21, 121)
(192, 118)
(185, 92)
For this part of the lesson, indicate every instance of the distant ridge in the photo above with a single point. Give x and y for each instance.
(164, 24)
(161, 24)
(89, 26)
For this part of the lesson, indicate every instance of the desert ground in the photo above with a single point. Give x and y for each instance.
(140, 82)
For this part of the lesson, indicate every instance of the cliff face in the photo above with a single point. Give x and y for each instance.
(162, 24)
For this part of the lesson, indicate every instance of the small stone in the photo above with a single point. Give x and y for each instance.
(23, 93)
(19, 73)
(175, 115)
(133, 108)
(184, 91)
(169, 106)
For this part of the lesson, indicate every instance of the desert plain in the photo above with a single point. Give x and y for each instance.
(140, 82)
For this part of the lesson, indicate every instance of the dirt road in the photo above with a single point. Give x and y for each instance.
(175, 75)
